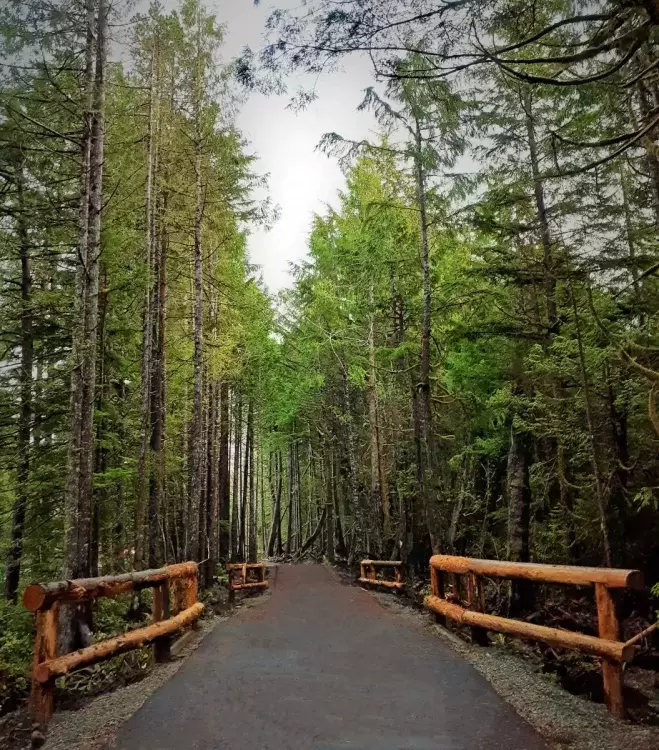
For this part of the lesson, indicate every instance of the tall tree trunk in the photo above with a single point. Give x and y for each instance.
(549, 271)
(329, 504)
(158, 408)
(78, 498)
(351, 457)
(378, 477)
(196, 445)
(631, 247)
(148, 324)
(289, 492)
(224, 479)
(252, 553)
(235, 502)
(519, 518)
(15, 551)
(274, 542)
(619, 434)
(552, 446)
(647, 113)
(262, 496)
(247, 474)
(101, 452)
(429, 472)
(592, 440)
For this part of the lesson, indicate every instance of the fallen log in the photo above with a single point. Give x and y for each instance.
(41, 596)
(570, 574)
(48, 670)
(588, 644)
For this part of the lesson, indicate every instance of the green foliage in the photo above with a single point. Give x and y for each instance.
(16, 646)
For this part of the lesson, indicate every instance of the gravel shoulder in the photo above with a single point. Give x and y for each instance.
(566, 721)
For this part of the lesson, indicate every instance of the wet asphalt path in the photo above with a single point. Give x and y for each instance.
(323, 666)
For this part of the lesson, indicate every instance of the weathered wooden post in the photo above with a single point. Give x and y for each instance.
(192, 590)
(160, 611)
(609, 629)
(476, 601)
(437, 588)
(45, 648)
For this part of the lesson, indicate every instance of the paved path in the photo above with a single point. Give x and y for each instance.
(323, 666)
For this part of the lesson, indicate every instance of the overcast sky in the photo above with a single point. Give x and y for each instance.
(302, 180)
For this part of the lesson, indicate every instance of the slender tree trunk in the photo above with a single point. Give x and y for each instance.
(196, 429)
(378, 477)
(541, 207)
(429, 469)
(262, 496)
(101, 454)
(78, 350)
(647, 112)
(351, 454)
(592, 440)
(213, 487)
(235, 504)
(247, 473)
(78, 499)
(631, 247)
(224, 479)
(289, 492)
(329, 504)
(93, 266)
(619, 434)
(253, 473)
(274, 542)
(158, 400)
(15, 551)
(560, 485)
(144, 471)
(519, 518)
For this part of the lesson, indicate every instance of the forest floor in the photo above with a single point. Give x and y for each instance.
(566, 721)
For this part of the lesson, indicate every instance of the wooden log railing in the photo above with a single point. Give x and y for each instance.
(180, 580)
(607, 646)
(369, 570)
(246, 576)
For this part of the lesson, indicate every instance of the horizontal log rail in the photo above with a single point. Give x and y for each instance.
(46, 599)
(369, 570)
(61, 665)
(41, 596)
(239, 577)
(575, 575)
(607, 646)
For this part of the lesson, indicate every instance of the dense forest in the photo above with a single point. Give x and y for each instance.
(466, 362)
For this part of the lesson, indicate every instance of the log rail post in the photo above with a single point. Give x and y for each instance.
(241, 571)
(369, 568)
(44, 601)
(609, 629)
(611, 651)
